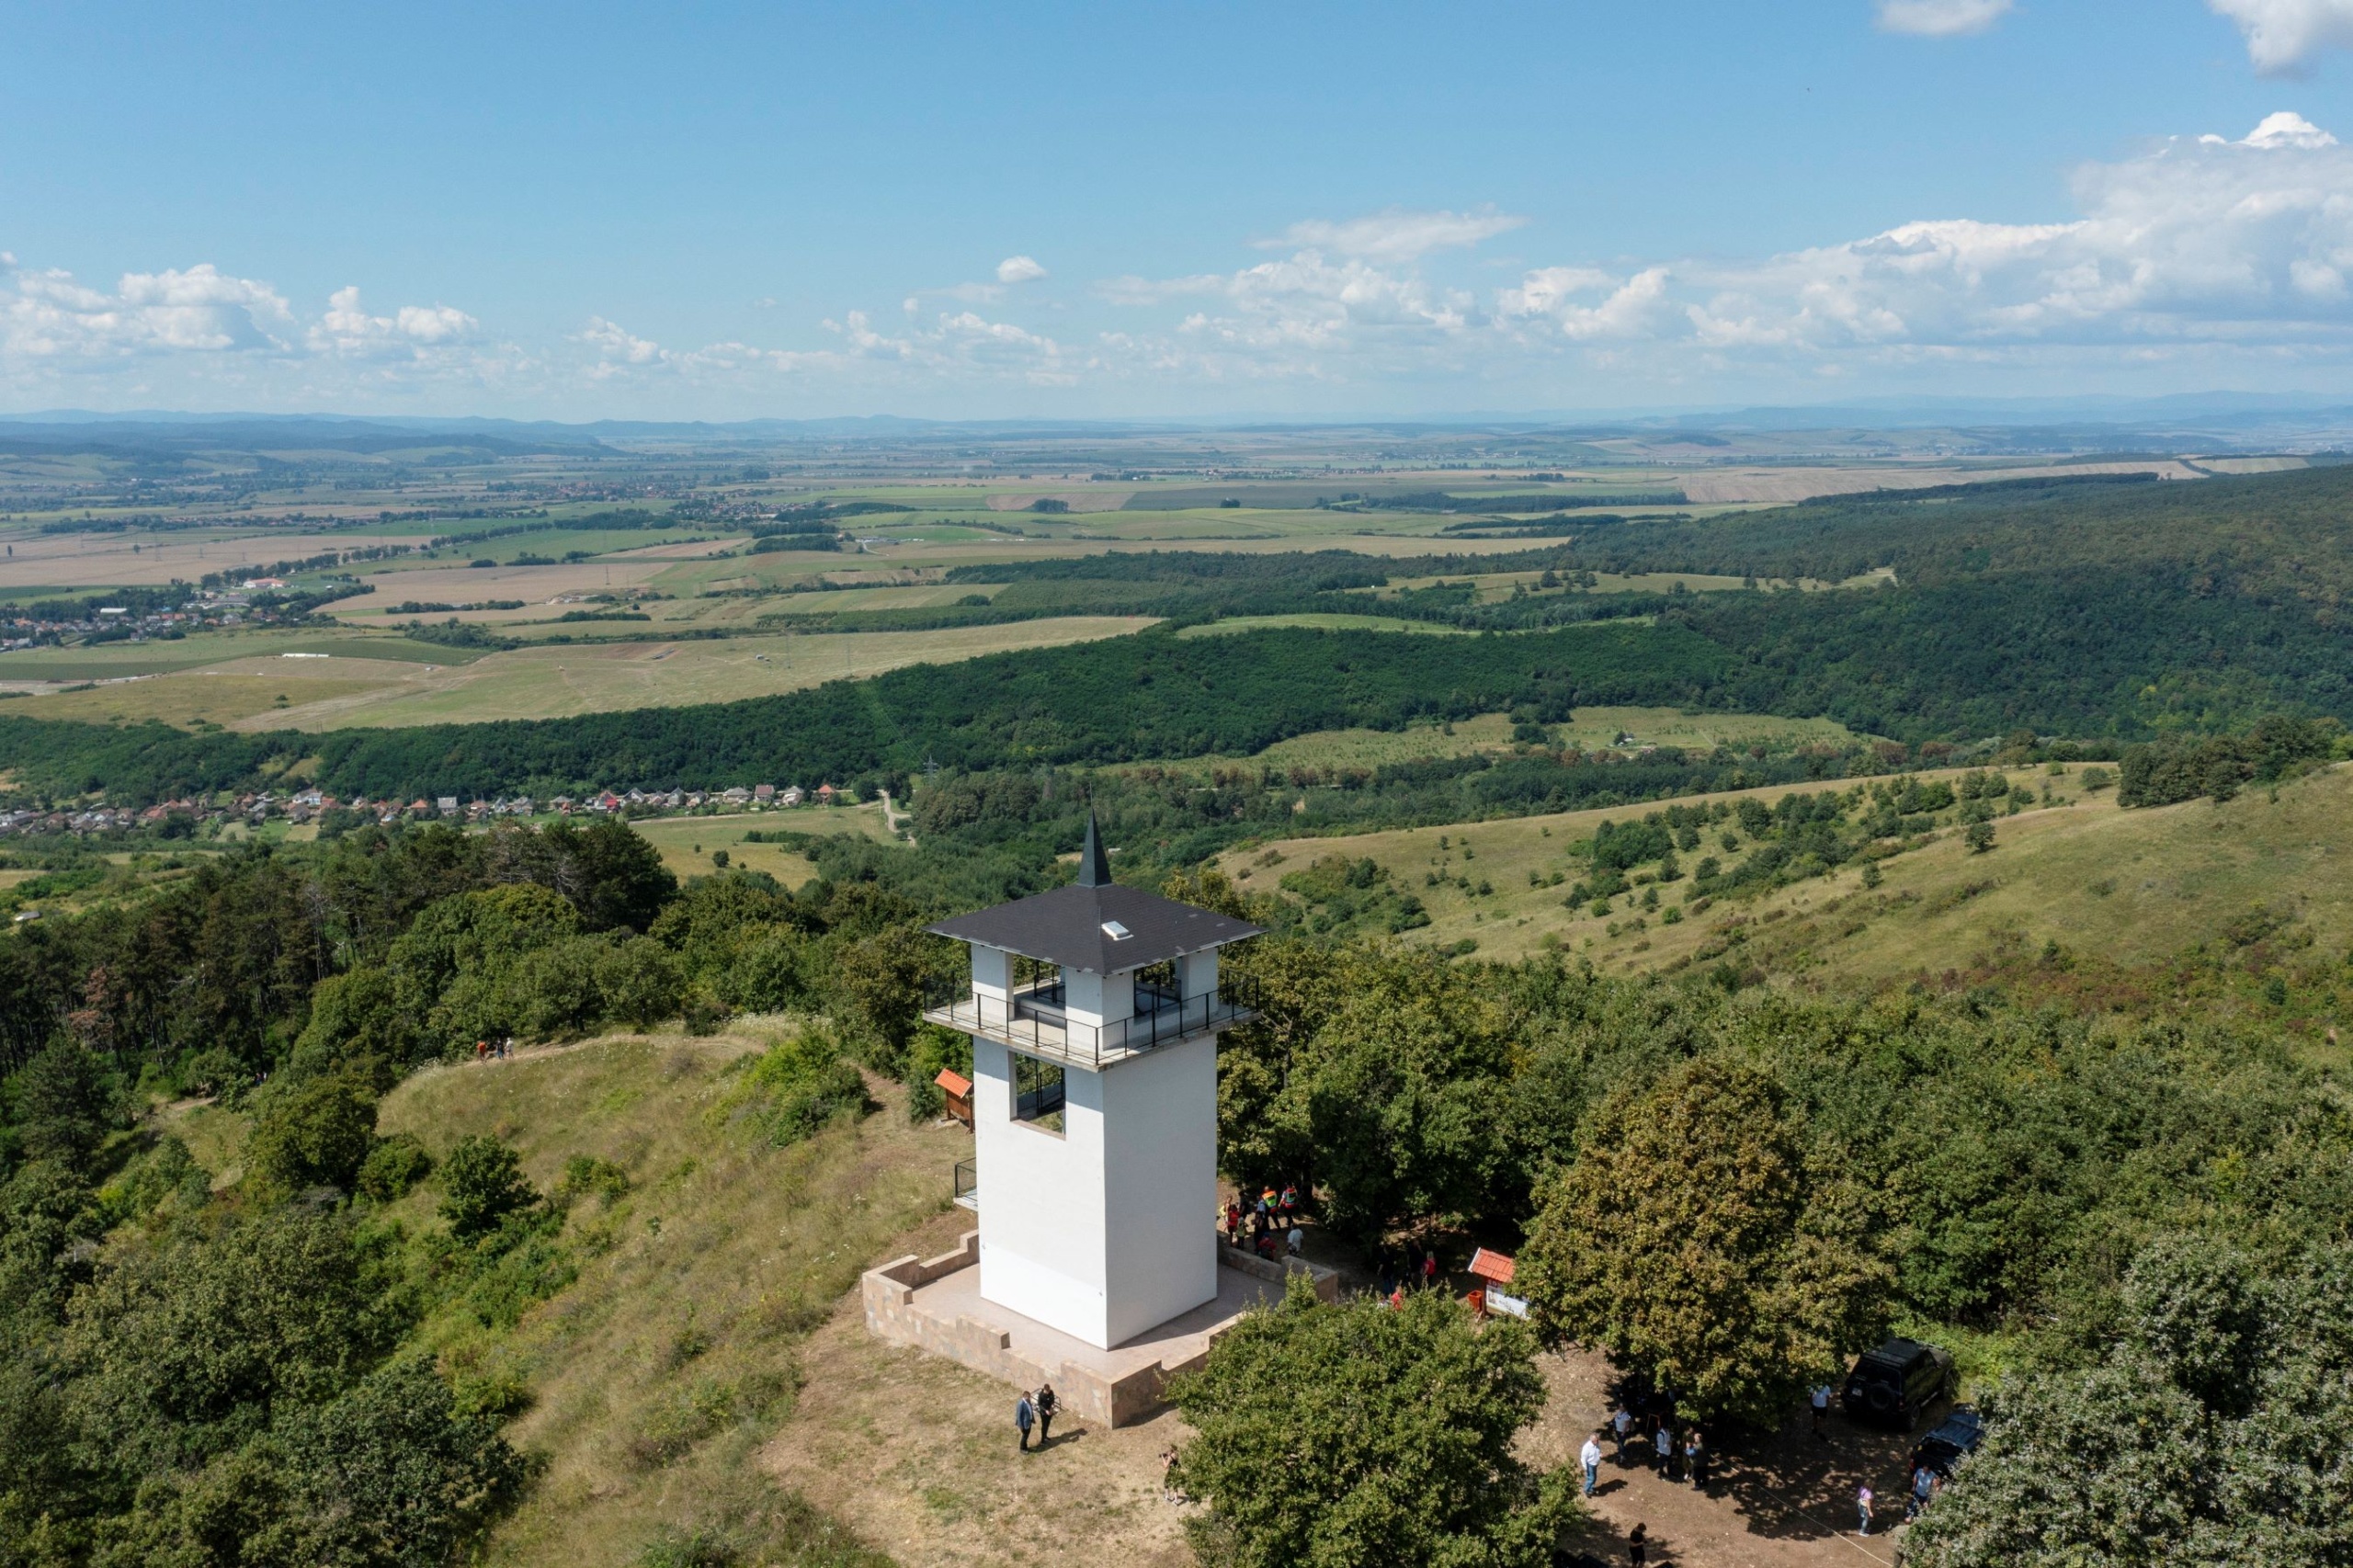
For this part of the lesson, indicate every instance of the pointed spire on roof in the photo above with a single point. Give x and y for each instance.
(1094, 866)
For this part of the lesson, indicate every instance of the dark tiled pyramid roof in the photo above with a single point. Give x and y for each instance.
(1072, 927)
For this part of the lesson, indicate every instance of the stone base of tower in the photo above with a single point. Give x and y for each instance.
(935, 1305)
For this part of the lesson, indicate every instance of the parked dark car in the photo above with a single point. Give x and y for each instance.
(1948, 1442)
(1893, 1384)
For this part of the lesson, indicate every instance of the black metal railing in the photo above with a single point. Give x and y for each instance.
(967, 1180)
(1037, 1021)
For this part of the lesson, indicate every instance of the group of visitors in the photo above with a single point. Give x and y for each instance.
(494, 1050)
(1680, 1456)
(1643, 1424)
(1416, 1265)
(1035, 1410)
(1268, 1226)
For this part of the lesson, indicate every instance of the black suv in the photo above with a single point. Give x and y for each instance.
(1897, 1382)
(1955, 1438)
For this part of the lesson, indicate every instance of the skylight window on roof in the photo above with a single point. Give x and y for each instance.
(1116, 931)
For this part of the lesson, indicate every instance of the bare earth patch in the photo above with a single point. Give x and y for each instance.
(1782, 1501)
(917, 1455)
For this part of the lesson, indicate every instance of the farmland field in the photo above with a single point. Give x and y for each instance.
(686, 842)
(38, 667)
(552, 682)
(114, 560)
(228, 680)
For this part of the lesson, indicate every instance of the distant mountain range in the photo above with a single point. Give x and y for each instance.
(2220, 418)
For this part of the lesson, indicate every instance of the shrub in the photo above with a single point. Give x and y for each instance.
(796, 1087)
(703, 1013)
(482, 1184)
(353, 1016)
(396, 1164)
(585, 1176)
(219, 1074)
(933, 1049)
(554, 992)
(2184, 768)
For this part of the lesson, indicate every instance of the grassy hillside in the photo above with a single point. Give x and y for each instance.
(653, 1376)
(647, 1383)
(2078, 895)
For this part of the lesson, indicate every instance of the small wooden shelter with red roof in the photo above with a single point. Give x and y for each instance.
(958, 1090)
(1494, 1271)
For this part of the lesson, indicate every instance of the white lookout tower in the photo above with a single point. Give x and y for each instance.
(1094, 1013)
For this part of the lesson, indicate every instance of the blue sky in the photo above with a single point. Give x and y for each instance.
(739, 211)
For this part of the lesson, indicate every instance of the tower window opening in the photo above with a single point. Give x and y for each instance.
(1038, 1092)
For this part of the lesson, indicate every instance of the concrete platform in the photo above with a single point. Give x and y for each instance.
(935, 1304)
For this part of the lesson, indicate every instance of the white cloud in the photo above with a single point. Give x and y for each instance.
(1130, 289)
(2285, 129)
(1018, 269)
(2284, 36)
(346, 329)
(2200, 241)
(1940, 19)
(964, 342)
(1396, 235)
(615, 345)
(1632, 308)
(2244, 245)
(203, 314)
(48, 315)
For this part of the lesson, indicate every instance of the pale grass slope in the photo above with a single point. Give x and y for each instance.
(2134, 887)
(644, 1374)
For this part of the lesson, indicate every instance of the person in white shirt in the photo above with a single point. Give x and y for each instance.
(1590, 1456)
(1821, 1412)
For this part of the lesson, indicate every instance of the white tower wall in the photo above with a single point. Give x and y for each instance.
(1160, 1187)
(1042, 1250)
(1125, 1194)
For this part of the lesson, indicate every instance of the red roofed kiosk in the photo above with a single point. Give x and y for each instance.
(1494, 1272)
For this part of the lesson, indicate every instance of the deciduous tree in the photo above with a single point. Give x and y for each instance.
(1692, 1240)
(1353, 1436)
